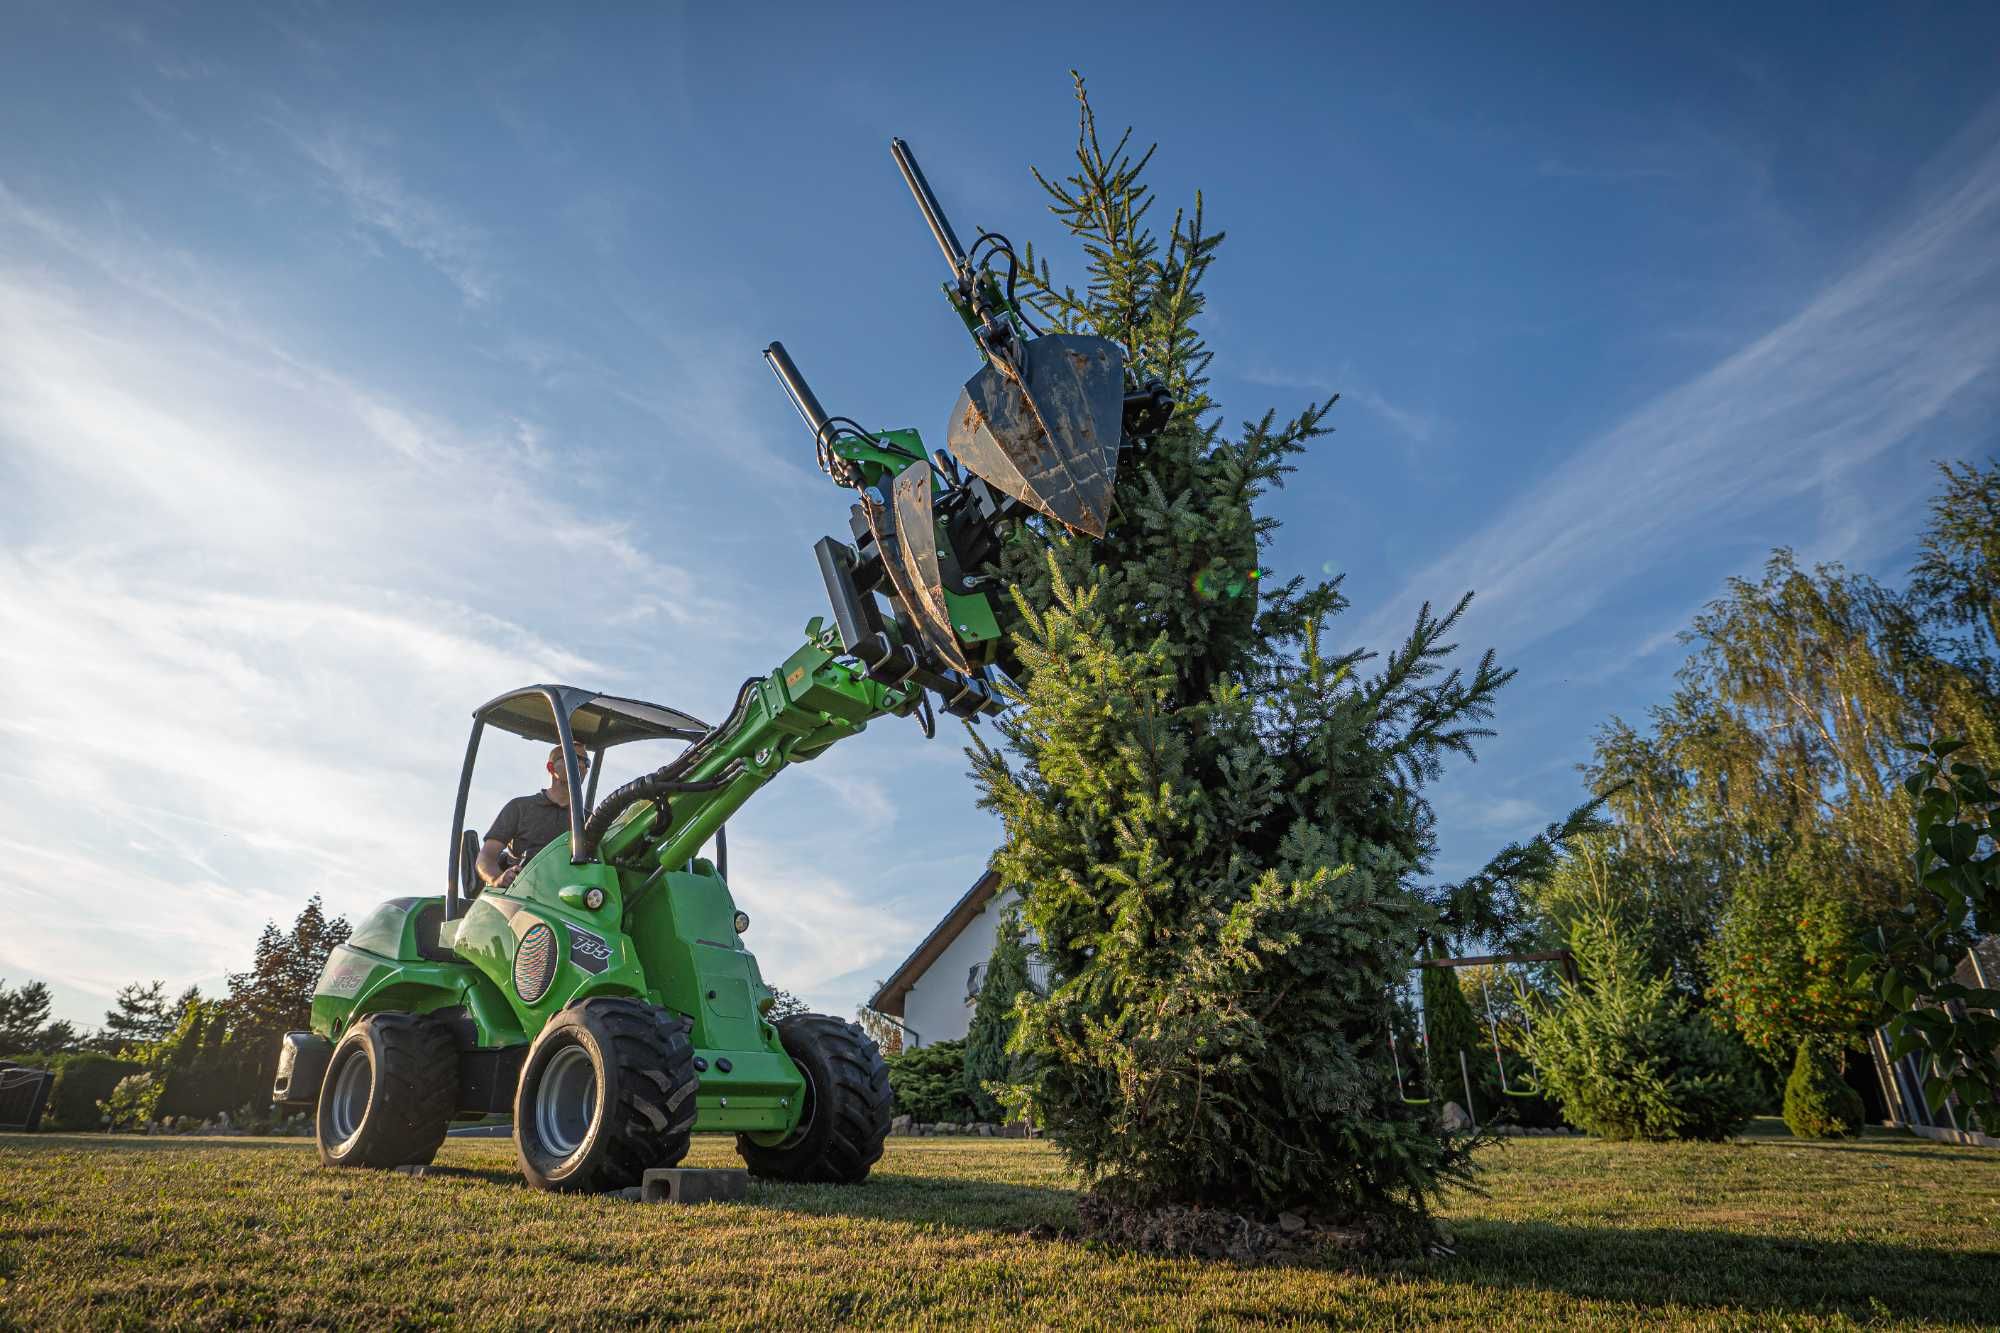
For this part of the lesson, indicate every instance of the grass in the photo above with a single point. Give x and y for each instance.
(1762, 1233)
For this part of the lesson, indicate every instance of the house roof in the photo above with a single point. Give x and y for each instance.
(889, 998)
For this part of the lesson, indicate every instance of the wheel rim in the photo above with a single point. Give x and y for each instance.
(351, 1091)
(566, 1101)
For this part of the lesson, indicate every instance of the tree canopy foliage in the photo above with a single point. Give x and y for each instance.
(25, 1026)
(1761, 820)
(139, 1017)
(199, 1057)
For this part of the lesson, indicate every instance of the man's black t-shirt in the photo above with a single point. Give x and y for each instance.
(527, 824)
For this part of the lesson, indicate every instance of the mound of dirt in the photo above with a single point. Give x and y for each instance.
(1216, 1233)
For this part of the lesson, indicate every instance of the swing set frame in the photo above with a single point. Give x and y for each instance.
(1560, 956)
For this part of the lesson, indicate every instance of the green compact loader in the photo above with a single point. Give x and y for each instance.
(605, 997)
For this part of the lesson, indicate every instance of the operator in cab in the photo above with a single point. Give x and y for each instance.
(528, 823)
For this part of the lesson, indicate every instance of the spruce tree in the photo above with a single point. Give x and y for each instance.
(25, 1028)
(987, 1060)
(1214, 823)
(140, 1018)
(1625, 1055)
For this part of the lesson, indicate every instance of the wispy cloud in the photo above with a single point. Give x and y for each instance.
(377, 197)
(1911, 332)
(246, 614)
(1414, 425)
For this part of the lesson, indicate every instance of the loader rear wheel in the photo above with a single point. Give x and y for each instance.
(390, 1091)
(845, 1115)
(607, 1093)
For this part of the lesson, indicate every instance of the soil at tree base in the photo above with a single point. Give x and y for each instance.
(1186, 1231)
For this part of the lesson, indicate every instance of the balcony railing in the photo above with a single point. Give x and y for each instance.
(1038, 977)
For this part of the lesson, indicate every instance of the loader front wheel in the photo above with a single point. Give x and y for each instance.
(390, 1091)
(845, 1115)
(607, 1093)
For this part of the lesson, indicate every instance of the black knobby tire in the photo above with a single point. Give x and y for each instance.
(607, 1093)
(847, 1104)
(390, 1092)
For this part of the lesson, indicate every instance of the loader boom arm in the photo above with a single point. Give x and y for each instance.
(789, 716)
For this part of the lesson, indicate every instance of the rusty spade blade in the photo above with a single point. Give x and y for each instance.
(907, 537)
(1050, 440)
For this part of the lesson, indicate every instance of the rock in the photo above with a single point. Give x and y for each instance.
(986, 1131)
(412, 1170)
(1454, 1119)
(900, 1125)
(1290, 1222)
(631, 1194)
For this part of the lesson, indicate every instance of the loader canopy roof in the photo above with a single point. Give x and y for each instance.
(597, 721)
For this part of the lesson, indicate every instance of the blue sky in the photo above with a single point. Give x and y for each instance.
(358, 364)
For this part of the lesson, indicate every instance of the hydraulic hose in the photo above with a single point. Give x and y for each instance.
(664, 781)
(655, 786)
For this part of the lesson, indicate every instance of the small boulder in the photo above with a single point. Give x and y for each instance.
(900, 1125)
(1454, 1119)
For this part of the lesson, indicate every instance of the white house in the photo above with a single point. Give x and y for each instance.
(932, 993)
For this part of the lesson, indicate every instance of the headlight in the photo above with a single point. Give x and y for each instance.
(742, 922)
(593, 899)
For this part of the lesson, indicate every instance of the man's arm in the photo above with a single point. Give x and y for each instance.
(506, 827)
(488, 863)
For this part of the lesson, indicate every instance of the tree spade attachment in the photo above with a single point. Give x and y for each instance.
(1043, 420)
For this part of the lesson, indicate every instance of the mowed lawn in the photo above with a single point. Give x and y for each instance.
(1761, 1233)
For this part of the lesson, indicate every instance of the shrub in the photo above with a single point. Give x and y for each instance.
(1624, 1055)
(1781, 961)
(1818, 1102)
(133, 1103)
(81, 1083)
(929, 1083)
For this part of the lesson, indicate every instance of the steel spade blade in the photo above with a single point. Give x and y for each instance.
(1054, 446)
(907, 536)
